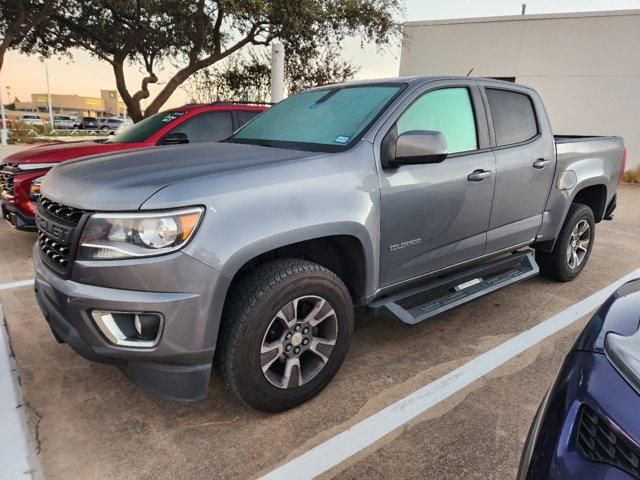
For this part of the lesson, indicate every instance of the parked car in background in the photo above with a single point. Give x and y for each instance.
(32, 119)
(409, 196)
(587, 426)
(86, 123)
(62, 122)
(111, 124)
(20, 172)
(8, 122)
(124, 125)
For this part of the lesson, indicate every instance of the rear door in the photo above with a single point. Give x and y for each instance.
(525, 165)
(436, 215)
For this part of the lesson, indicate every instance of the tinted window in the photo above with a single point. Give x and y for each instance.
(244, 117)
(208, 127)
(448, 111)
(327, 119)
(514, 119)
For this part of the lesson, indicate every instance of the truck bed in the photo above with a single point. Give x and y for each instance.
(583, 138)
(598, 157)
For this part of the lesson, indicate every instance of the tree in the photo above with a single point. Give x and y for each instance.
(18, 18)
(193, 35)
(248, 77)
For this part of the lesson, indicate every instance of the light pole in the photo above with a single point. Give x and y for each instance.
(3, 132)
(46, 70)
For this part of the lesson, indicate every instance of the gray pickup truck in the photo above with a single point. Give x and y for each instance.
(408, 196)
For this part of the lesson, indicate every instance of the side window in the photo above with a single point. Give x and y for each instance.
(448, 111)
(244, 117)
(207, 127)
(514, 118)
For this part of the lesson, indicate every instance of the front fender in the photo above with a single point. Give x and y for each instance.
(253, 211)
(262, 245)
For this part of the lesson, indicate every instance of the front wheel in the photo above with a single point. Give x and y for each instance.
(573, 246)
(286, 330)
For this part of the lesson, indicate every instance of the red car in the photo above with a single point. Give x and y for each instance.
(20, 172)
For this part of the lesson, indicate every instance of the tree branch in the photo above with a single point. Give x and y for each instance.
(19, 28)
(181, 75)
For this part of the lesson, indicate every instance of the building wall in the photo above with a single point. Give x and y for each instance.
(586, 66)
(106, 105)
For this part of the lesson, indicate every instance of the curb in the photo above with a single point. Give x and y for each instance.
(19, 452)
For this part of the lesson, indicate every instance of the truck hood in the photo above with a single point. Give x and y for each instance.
(123, 181)
(60, 152)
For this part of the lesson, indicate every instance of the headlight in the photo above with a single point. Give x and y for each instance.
(109, 236)
(624, 354)
(34, 189)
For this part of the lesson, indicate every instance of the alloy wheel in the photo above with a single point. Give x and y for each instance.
(298, 342)
(578, 244)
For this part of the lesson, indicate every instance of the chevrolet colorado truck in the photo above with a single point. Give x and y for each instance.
(21, 173)
(408, 196)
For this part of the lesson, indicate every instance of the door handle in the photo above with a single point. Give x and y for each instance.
(478, 175)
(541, 163)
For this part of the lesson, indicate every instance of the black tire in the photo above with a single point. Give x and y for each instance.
(554, 264)
(247, 320)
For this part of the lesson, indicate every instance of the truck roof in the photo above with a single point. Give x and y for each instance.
(415, 80)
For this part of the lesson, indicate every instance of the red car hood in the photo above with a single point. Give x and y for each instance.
(59, 152)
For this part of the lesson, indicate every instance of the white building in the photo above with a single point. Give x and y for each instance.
(586, 66)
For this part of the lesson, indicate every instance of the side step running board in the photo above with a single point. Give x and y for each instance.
(442, 294)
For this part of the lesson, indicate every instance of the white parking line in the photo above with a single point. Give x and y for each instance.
(363, 434)
(21, 283)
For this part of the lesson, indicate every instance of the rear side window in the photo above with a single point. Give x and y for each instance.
(244, 117)
(448, 111)
(514, 118)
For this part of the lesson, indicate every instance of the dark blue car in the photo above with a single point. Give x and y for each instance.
(588, 425)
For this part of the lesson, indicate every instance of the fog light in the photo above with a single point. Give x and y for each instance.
(129, 329)
(146, 325)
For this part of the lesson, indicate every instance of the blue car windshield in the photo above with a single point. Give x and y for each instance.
(327, 119)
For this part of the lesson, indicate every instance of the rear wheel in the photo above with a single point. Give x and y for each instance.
(286, 330)
(573, 246)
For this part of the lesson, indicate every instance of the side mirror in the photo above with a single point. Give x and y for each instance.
(175, 138)
(419, 146)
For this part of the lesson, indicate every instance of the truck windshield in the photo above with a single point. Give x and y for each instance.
(145, 128)
(326, 120)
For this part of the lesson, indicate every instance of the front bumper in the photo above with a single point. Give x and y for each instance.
(17, 219)
(551, 452)
(179, 366)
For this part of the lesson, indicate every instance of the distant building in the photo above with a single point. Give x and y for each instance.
(586, 66)
(107, 105)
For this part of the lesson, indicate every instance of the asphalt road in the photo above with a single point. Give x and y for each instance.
(92, 423)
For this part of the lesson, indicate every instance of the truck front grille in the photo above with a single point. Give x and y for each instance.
(598, 442)
(62, 212)
(6, 179)
(57, 229)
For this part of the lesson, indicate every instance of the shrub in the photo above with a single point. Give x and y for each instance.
(632, 176)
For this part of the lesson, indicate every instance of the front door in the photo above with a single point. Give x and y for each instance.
(436, 215)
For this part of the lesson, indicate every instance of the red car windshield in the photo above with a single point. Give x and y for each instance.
(145, 128)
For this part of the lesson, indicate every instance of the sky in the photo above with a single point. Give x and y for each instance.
(85, 75)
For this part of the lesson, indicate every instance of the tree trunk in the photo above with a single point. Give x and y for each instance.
(133, 105)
